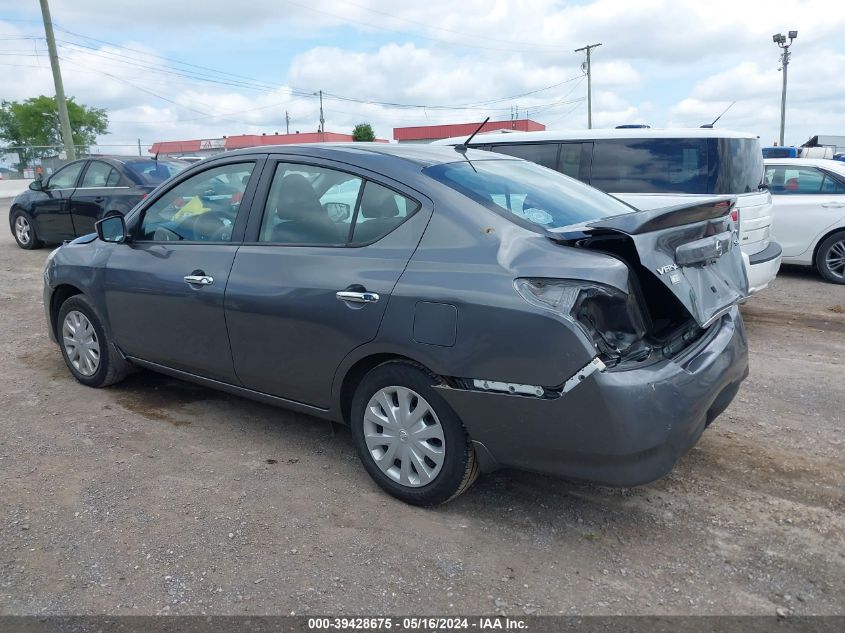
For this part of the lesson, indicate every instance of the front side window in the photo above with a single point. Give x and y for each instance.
(381, 211)
(308, 204)
(100, 174)
(528, 192)
(203, 208)
(783, 180)
(66, 177)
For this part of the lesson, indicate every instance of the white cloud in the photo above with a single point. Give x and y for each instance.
(662, 62)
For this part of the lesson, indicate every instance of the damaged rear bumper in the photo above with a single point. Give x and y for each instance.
(619, 428)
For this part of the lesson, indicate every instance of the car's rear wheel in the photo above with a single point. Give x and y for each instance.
(409, 439)
(89, 354)
(24, 231)
(830, 258)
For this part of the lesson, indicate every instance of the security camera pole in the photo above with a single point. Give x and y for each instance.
(67, 135)
(780, 40)
(588, 48)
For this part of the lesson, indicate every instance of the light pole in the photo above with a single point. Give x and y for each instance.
(588, 48)
(780, 40)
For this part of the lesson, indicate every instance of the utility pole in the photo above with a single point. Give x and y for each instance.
(780, 40)
(322, 120)
(139, 148)
(67, 135)
(287, 122)
(589, 48)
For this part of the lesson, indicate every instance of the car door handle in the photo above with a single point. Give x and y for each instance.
(200, 280)
(99, 199)
(833, 205)
(357, 297)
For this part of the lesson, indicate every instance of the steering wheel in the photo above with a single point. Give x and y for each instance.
(213, 226)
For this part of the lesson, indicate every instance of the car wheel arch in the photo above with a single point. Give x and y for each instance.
(353, 376)
(61, 293)
(822, 238)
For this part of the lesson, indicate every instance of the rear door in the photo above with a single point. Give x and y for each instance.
(94, 196)
(327, 246)
(51, 212)
(806, 201)
(164, 289)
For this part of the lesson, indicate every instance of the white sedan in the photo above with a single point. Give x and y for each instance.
(808, 209)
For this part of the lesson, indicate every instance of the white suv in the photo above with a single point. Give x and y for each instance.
(651, 168)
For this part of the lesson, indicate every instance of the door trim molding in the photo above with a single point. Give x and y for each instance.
(234, 389)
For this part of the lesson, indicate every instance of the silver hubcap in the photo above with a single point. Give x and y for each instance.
(835, 259)
(22, 230)
(404, 436)
(81, 344)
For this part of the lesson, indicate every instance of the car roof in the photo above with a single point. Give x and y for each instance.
(595, 134)
(827, 163)
(369, 154)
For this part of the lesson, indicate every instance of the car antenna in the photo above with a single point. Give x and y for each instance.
(710, 125)
(462, 147)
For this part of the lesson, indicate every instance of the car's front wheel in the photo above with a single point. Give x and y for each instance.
(24, 231)
(408, 437)
(86, 348)
(830, 258)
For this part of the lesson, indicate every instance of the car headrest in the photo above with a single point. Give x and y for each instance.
(379, 203)
(297, 199)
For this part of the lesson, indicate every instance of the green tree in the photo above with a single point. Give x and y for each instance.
(36, 122)
(363, 132)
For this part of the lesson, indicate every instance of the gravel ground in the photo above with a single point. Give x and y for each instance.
(156, 496)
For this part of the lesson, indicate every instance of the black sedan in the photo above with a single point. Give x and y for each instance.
(69, 202)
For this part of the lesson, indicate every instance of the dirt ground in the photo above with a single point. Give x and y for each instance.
(156, 496)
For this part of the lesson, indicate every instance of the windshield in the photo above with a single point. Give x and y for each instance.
(526, 191)
(154, 172)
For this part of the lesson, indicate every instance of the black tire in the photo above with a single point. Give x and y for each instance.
(27, 244)
(832, 251)
(112, 367)
(459, 467)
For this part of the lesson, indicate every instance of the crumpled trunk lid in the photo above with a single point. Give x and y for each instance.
(692, 249)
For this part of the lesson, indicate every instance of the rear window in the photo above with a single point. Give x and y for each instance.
(527, 192)
(154, 172)
(677, 165)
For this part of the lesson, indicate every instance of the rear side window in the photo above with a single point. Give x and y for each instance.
(677, 165)
(100, 174)
(309, 205)
(154, 172)
(381, 211)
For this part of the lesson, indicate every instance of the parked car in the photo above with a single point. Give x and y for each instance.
(472, 312)
(809, 210)
(653, 168)
(69, 202)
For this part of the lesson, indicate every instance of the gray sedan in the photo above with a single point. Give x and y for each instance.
(460, 311)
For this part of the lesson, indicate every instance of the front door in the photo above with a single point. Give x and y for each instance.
(51, 211)
(94, 196)
(326, 253)
(164, 289)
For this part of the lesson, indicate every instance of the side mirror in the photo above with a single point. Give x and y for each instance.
(37, 185)
(338, 211)
(112, 229)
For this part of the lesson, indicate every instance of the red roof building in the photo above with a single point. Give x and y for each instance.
(209, 146)
(428, 133)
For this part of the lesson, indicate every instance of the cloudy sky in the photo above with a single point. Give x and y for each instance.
(182, 69)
